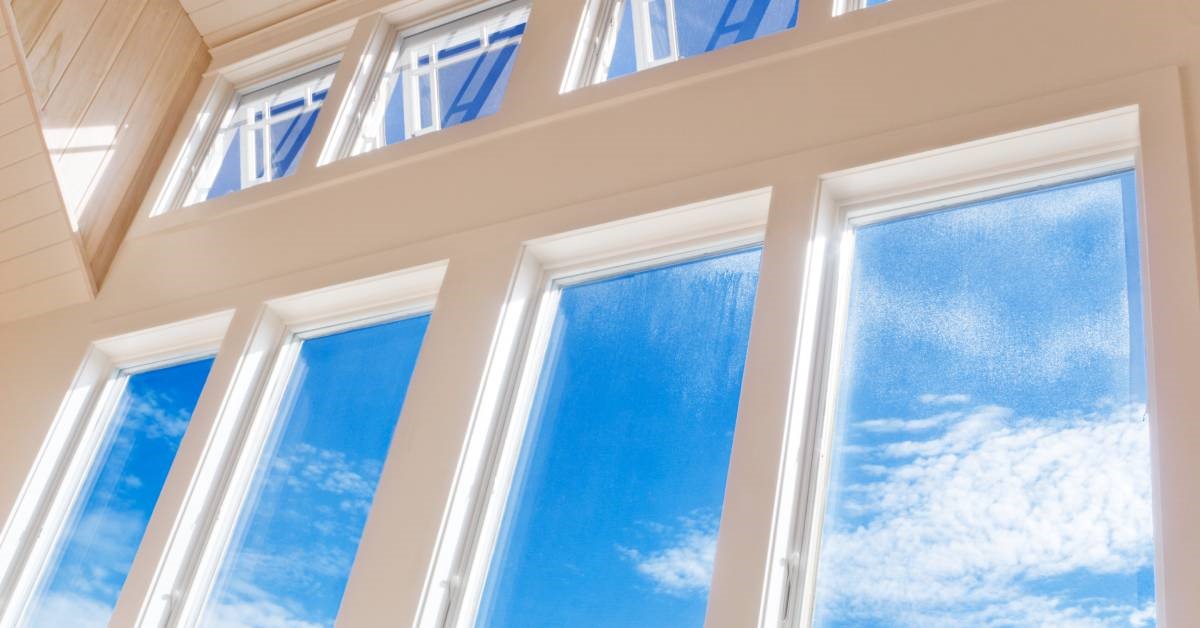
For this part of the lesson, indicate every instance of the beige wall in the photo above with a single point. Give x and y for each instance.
(835, 93)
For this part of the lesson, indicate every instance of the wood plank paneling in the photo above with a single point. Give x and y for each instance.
(55, 48)
(69, 97)
(10, 83)
(32, 17)
(25, 174)
(15, 113)
(39, 201)
(108, 77)
(35, 266)
(31, 236)
(20, 144)
(45, 295)
(221, 21)
(89, 90)
(113, 199)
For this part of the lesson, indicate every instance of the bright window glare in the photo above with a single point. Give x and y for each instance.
(298, 533)
(652, 32)
(991, 462)
(93, 558)
(612, 517)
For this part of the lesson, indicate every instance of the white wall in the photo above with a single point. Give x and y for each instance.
(835, 93)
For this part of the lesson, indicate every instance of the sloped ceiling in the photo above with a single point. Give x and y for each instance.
(42, 267)
(221, 21)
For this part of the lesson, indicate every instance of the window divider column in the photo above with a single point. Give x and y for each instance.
(749, 544)
(347, 98)
(179, 523)
(462, 346)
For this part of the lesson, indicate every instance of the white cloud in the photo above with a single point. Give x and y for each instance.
(965, 524)
(944, 400)
(102, 547)
(158, 416)
(1143, 616)
(907, 425)
(684, 567)
(67, 609)
(249, 606)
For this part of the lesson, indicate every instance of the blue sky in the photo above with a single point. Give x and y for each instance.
(612, 518)
(114, 508)
(468, 89)
(991, 462)
(700, 27)
(290, 559)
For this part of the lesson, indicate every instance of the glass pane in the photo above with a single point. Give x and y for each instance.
(471, 77)
(228, 177)
(624, 56)
(702, 26)
(393, 116)
(660, 27)
(475, 87)
(299, 530)
(288, 139)
(425, 100)
(259, 147)
(706, 25)
(289, 135)
(89, 567)
(991, 462)
(613, 513)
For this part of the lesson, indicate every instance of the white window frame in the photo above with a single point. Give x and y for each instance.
(841, 7)
(87, 416)
(427, 39)
(643, 34)
(1055, 154)
(454, 586)
(254, 99)
(187, 575)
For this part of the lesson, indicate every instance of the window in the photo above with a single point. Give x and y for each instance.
(612, 514)
(300, 524)
(262, 136)
(442, 77)
(625, 36)
(990, 448)
(141, 431)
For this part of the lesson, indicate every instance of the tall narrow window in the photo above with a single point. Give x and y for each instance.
(632, 35)
(300, 525)
(990, 452)
(445, 76)
(88, 566)
(613, 511)
(262, 136)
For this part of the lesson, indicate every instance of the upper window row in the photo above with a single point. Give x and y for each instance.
(440, 75)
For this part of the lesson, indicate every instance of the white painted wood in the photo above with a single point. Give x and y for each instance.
(31, 236)
(25, 174)
(46, 295)
(34, 266)
(25, 206)
(20, 144)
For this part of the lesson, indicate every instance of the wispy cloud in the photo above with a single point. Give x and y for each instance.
(250, 606)
(966, 524)
(68, 609)
(944, 400)
(158, 415)
(683, 566)
(907, 425)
